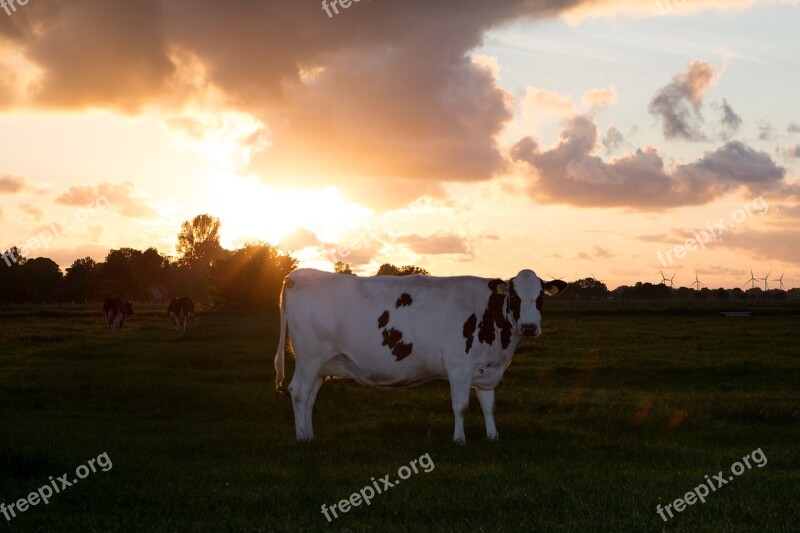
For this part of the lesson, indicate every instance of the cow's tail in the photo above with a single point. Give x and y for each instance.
(281, 344)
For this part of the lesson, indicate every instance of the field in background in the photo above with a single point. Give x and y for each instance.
(612, 411)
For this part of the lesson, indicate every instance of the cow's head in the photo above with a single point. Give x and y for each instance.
(128, 309)
(524, 300)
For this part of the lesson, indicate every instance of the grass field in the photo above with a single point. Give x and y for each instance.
(605, 416)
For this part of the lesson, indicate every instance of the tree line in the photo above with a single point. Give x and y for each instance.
(250, 276)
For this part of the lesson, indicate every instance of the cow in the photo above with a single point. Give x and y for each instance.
(391, 331)
(115, 310)
(181, 311)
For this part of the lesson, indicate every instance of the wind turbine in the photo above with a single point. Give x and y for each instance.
(780, 280)
(765, 280)
(593, 278)
(664, 279)
(697, 282)
(752, 280)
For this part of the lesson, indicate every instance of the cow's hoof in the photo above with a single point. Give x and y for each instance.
(496, 436)
(461, 441)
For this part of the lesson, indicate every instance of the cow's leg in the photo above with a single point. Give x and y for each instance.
(459, 395)
(304, 381)
(486, 399)
(174, 319)
(312, 398)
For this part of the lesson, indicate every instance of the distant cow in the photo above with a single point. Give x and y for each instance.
(181, 311)
(115, 310)
(389, 331)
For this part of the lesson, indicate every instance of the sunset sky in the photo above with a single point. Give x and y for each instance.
(575, 138)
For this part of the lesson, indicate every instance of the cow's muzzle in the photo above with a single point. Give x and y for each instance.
(529, 330)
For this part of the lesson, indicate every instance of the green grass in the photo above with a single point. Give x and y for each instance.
(603, 417)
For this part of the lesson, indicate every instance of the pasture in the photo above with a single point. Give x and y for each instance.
(606, 415)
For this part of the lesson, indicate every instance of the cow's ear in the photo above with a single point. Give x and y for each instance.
(551, 288)
(498, 286)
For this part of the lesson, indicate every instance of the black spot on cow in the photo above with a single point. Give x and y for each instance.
(383, 319)
(394, 340)
(469, 330)
(404, 300)
(391, 337)
(402, 350)
(494, 316)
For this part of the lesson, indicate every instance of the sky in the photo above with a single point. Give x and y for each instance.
(575, 138)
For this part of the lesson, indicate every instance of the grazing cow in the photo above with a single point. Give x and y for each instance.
(181, 311)
(389, 331)
(115, 310)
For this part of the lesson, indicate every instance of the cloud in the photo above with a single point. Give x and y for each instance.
(299, 239)
(597, 252)
(436, 244)
(124, 198)
(793, 127)
(571, 173)
(599, 99)
(792, 151)
(613, 139)
(765, 130)
(678, 103)
(11, 184)
(730, 121)
(387, 91)
(32, 211)
(783, 245)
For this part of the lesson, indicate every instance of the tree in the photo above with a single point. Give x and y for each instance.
(11, 288)
(251, 276)
(121, 274)
(41, 279)
(198, 247)
(343, 268)
(77, 284)
(388, 269)
(588, 289)
(198, 241)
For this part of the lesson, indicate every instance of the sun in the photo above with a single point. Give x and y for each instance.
(251, 210)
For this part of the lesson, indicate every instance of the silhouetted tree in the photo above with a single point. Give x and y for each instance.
(41, 279)
(251, 276)
(388, 269)
(77, 285)
(11, 287)
(198, 247)
(198, 241)
(588, 289)
(342, 268)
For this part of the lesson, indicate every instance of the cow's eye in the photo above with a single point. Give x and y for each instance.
(539, 302)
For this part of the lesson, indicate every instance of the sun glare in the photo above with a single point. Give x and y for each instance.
(251, 210)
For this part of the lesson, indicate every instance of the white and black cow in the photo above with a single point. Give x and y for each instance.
(390, 331)
(115, 310)
(181, 311)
